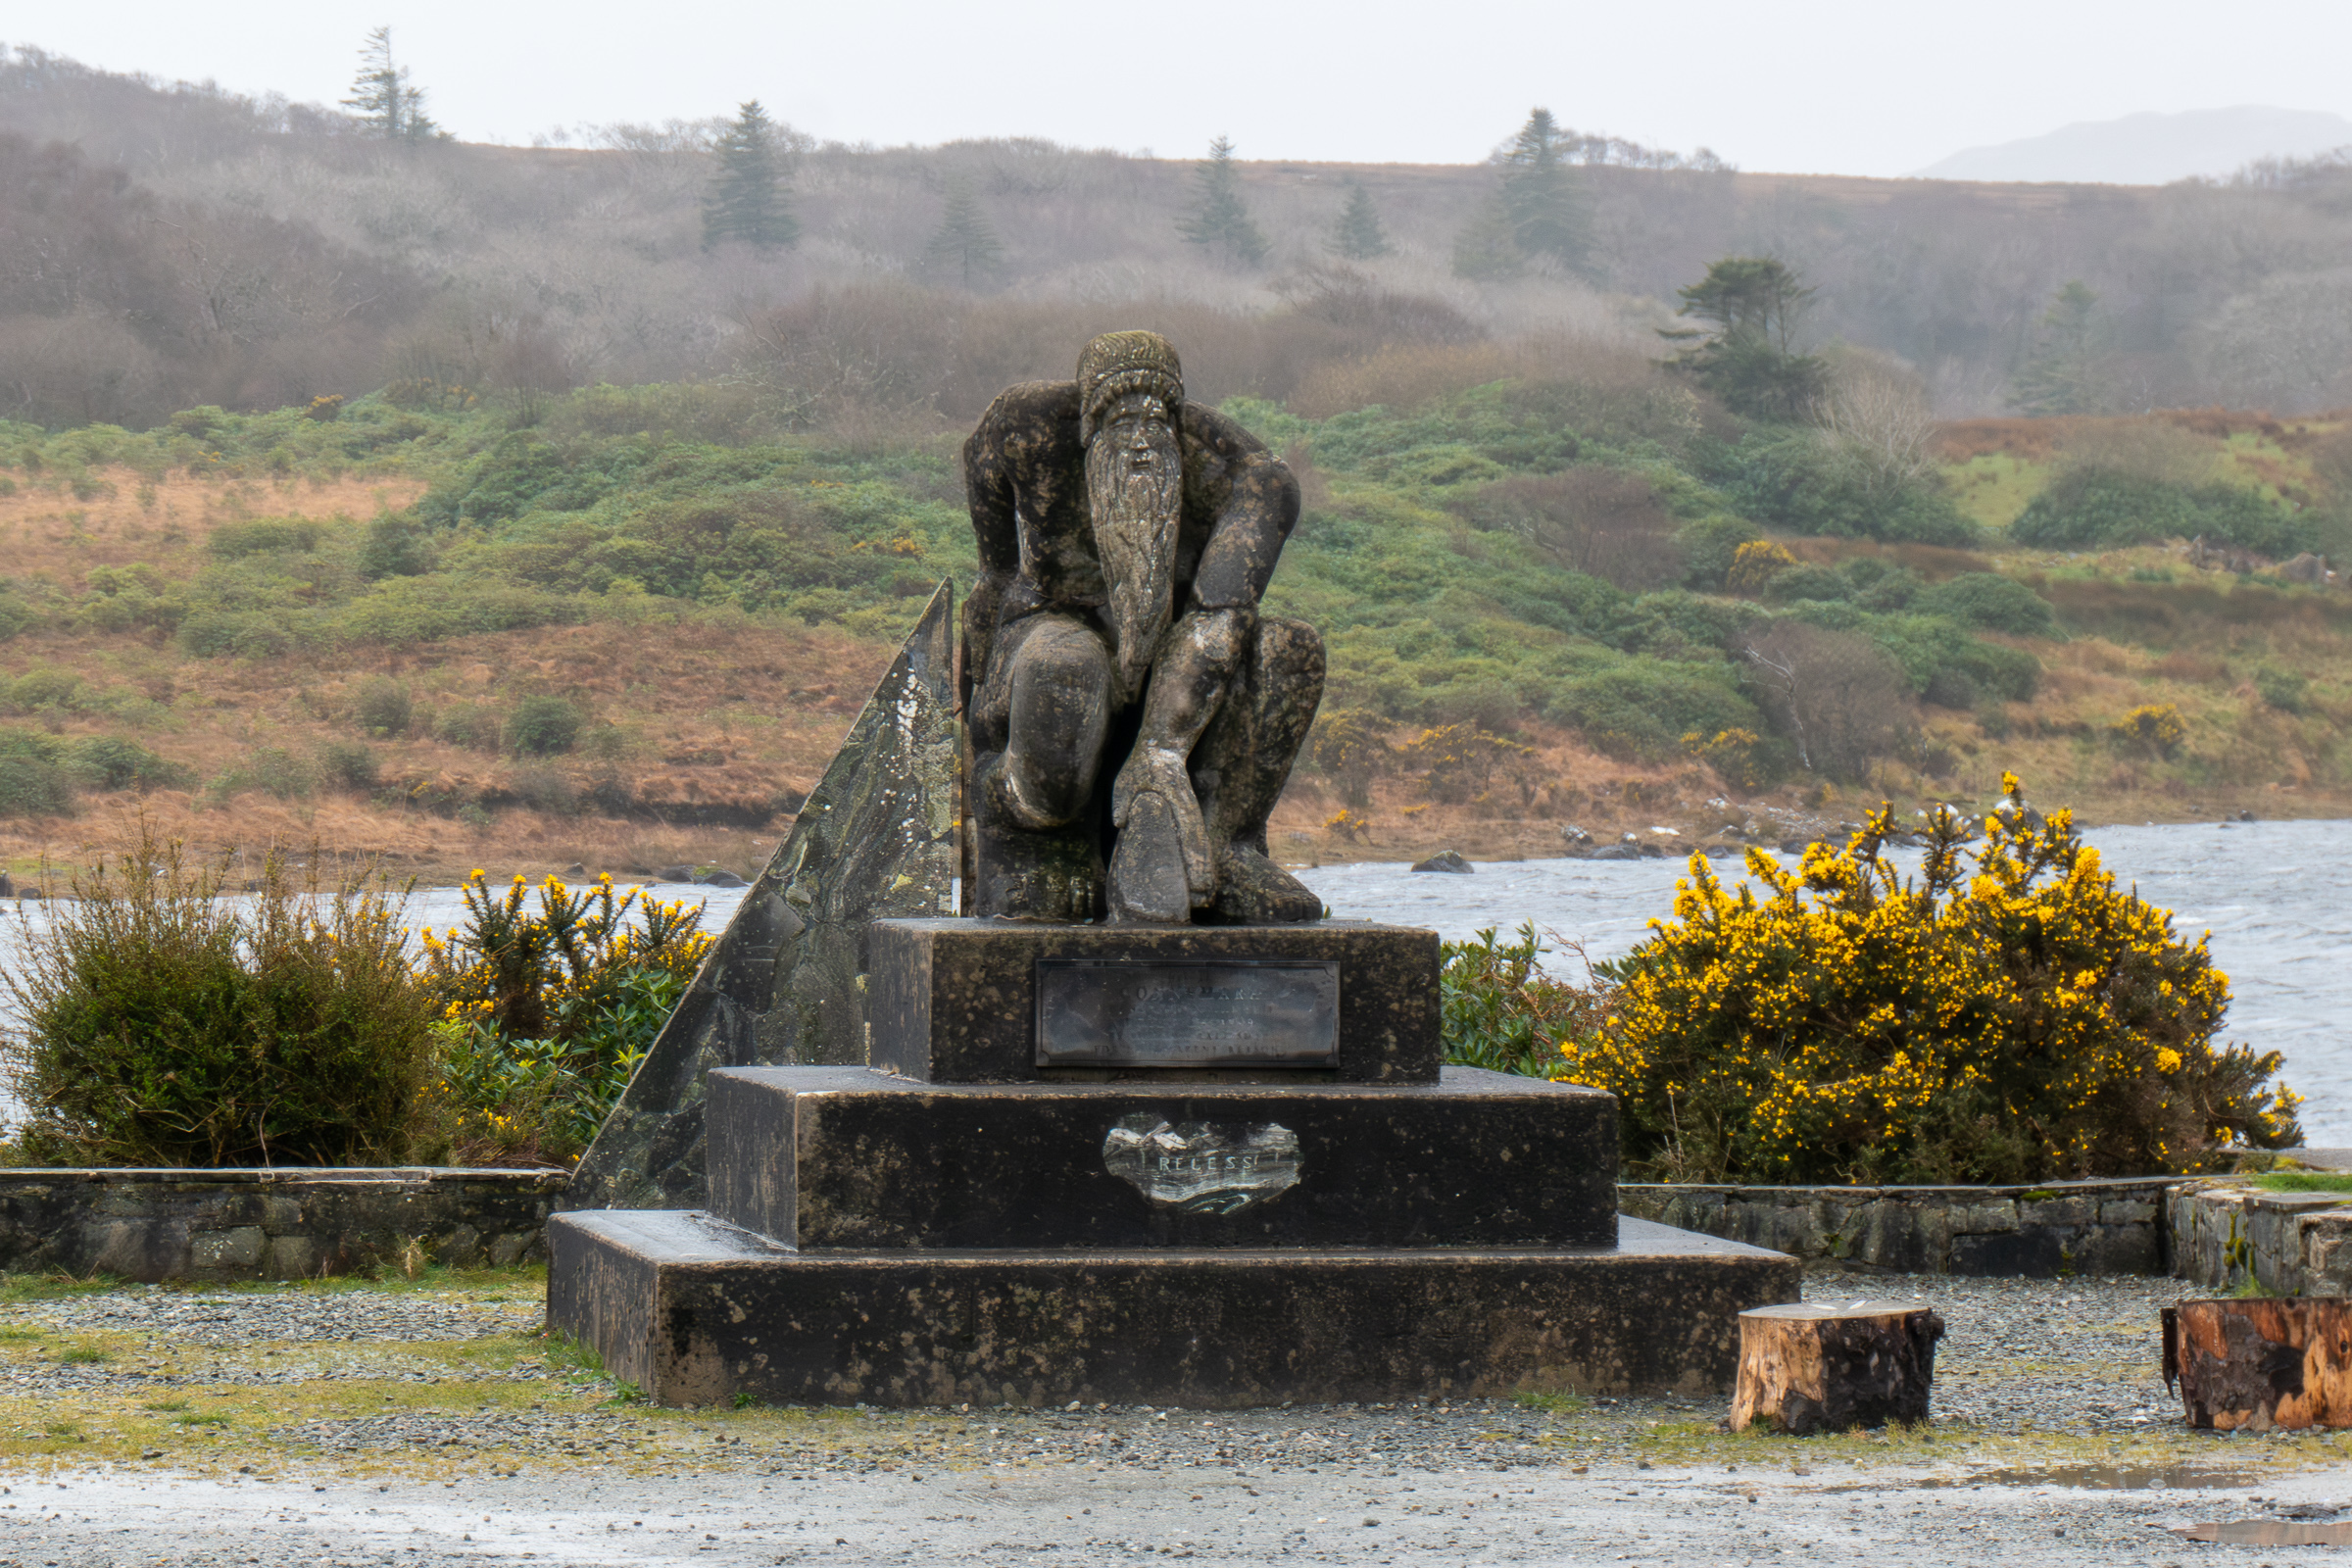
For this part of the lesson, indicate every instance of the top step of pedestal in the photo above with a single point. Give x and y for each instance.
(985, 1002)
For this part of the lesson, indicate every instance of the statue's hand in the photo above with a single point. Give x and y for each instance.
(1160, 771)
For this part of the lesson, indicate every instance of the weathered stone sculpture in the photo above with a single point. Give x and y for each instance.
(1133, 718)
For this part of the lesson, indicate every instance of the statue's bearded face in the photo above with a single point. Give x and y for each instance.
(1135, 495)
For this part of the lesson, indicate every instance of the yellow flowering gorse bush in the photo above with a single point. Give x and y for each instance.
(2011, 1014)
(548, 1009)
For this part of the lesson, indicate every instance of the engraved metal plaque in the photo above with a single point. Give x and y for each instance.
(1201, 1167)
(1165, 1012)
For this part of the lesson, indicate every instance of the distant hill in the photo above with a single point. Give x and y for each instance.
(2152, 149)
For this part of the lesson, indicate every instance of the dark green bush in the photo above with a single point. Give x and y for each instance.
(111, 763)
(1644, 709)
(1500, 1011)
(15, 615)
(1989, 600)
(167, 1026)
(474, 726)
(383, 707)
(542, 726)
(2092, 508)
(396, 545)
(542, 789)
(348, 765)
(1826, 584)
(42, 688)
(1708, 545)
(32, 784)
(1796, 483)
(2282, 689)
(263, 537)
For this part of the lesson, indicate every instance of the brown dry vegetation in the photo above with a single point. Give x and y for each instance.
(715, 716)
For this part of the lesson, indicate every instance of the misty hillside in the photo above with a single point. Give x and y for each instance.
(164, 247)
(2154, 148)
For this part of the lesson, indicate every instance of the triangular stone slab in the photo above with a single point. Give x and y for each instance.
(785, 985)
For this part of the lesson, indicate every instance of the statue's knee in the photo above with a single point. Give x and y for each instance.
(1056, 721)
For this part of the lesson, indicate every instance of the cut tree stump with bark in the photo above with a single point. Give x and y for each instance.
(2261, 1363)
(1808, 1367)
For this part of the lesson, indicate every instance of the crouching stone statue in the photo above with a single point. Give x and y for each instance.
(1133, 718)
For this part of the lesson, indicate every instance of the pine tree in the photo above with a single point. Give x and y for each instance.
(746, 199)
(965, 240)
(1219, 221)
(2061, 375)
(387, 104)
(1746, 353)
(1356, 236)
(1542, 199)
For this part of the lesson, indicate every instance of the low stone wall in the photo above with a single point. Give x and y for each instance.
(220, 1225)
(2058, 1227)
(2291, 1243)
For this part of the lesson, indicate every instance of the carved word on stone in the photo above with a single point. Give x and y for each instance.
(1200, 1167)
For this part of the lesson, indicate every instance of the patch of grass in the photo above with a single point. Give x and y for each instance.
(524, 1281)
(164, 1406)
(19, 1331)
(1555, 1403)
(202, 1418)
(54, 1287)
(86, 1356)
(565, 1353)
(2303, 1180)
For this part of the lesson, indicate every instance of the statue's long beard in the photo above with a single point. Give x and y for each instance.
(1134, 521)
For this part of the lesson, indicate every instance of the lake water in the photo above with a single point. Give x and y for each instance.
(2277, 897)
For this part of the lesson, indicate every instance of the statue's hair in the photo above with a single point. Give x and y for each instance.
(1117, 364)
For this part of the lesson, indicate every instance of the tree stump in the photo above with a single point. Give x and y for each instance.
(1807, 1367)
(2260, 1365)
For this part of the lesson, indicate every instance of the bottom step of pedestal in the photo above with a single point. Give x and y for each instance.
(695, 1311)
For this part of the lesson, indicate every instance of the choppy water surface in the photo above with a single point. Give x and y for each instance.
(2277, 897)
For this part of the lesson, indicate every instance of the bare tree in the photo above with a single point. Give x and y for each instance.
(1840, 702)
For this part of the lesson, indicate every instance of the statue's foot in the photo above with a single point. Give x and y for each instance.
(1252, 889)
(1148, 884)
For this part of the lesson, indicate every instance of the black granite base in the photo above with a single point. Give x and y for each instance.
(844, 1158)
(697, 1312)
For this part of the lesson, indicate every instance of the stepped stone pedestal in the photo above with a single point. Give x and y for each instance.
(1209, 1166)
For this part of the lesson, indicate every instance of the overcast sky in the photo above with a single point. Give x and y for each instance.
(1839, 86)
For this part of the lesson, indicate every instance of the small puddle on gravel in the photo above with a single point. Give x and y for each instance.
(2108, 1477)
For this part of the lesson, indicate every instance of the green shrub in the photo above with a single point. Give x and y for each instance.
(1644, 709)
(1501, 1012)
(1797, 483)
(32, 786)
(109, 763)
(474, 726)
(2089, 508)
(42, 688)
(1709, 545)
(15, 616)
(348, 765)
(1824, 584)
(2282, 689)
(542, 726)
(383, 707)
(167, 1026)
(1989, 600)
(396, 545)
(258, 536)
(272, 770)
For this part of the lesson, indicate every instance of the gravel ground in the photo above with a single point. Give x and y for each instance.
(388, 1425)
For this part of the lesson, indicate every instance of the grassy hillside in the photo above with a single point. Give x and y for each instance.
(626, 627)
